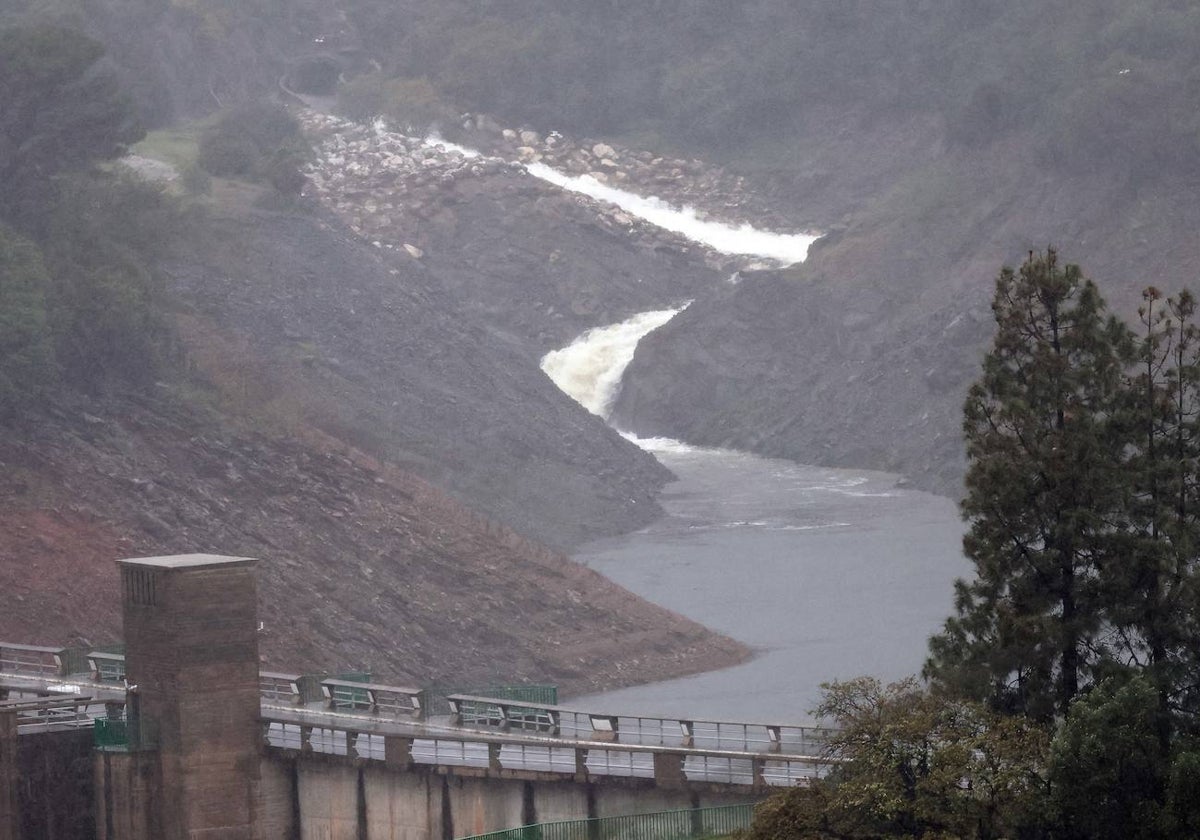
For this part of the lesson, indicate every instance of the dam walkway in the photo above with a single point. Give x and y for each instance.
(393, 724)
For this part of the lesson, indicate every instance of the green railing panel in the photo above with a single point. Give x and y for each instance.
(691, 824)
(355, 698)
(110, 733)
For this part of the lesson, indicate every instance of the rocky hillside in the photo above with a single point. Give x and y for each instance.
(932, 141)
(363, 566)
(530, 260)
(862, 357)
(366, 343)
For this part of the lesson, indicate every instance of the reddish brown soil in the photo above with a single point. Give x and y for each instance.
(362, 565)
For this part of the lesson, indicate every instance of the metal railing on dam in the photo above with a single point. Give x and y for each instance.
(481, 735)
(387, 723)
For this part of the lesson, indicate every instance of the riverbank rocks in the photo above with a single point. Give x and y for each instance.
(389, 186)
(680, 181)
(354, 151)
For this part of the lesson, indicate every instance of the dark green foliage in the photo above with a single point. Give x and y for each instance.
(409, 102)
(104, 239)
(258, 141)
(1107, 770)
(316, 76)
(1151, 585)
(1182, 815)
(1094, 83)
(1083, 439)
(61, 109)
(1043, 483)
(26, 352)
(1082, 503)
(80, 300)
(912, 764)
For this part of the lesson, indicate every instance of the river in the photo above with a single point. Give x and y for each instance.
(827, 574)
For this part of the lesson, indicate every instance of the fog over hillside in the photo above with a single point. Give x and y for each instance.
(397, 298)
(931, 141)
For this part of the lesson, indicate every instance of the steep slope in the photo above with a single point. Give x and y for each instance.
(365, 343)
(864, 355)
(363, 566)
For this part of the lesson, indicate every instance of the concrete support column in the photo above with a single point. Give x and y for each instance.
(397, 751)
(494, 757)
(757, 766)
(581, 771)
(668, 771)
(191, 659)
(10, 809)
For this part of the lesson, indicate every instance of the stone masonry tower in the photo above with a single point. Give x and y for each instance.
(191, 660)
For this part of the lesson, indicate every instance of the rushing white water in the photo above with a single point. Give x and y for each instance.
(589, 370)
(743, 240)
(783, 248)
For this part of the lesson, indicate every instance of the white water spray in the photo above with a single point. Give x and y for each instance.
(783, 248)
(589, 370)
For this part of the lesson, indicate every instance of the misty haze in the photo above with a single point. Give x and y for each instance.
(792, 404)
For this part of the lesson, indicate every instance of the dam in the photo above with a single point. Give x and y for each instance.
(182, 736)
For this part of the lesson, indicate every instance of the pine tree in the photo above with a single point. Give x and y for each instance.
(1151, 579)
(1043, 487)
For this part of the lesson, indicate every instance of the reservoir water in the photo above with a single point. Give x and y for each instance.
(827, 574)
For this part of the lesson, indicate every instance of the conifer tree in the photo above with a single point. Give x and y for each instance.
(1152, 577)
(1043, 488)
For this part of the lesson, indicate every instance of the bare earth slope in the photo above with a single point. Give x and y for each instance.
(365, 344)
(862, 357)
(363, 565)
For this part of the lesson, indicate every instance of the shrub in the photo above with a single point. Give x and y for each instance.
(250, 142)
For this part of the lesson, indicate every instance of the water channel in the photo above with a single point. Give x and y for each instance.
(827, 574)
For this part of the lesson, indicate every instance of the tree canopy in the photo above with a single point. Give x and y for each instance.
(62, 108)
(81, 301)
(1044, 454)
(26, 351)
(1064, 696)
(1082, 444)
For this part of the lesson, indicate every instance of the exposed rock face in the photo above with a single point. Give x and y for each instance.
(363, 566)
(710, 188)
(366, 344)
(785, 368)
(524, 257)
(863, 356)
